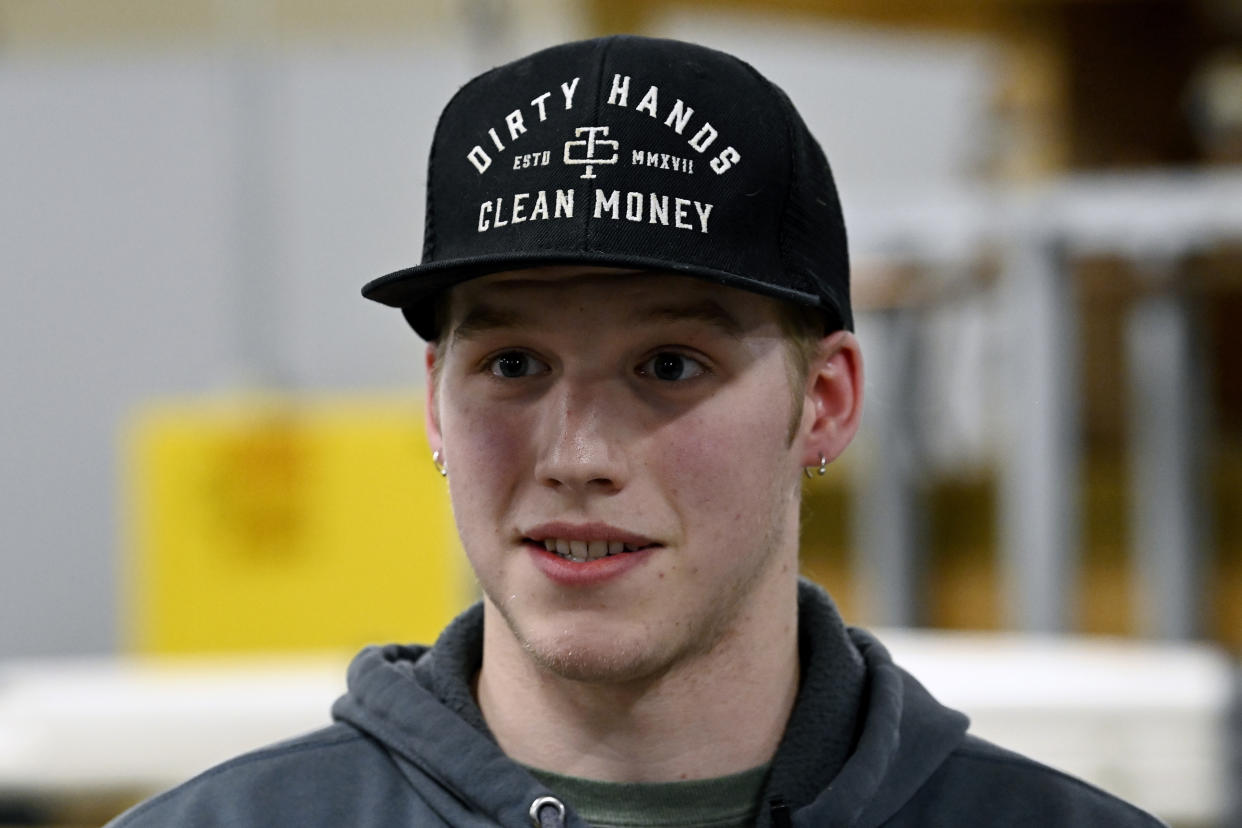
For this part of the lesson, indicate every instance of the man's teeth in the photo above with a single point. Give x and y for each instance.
(582, 551)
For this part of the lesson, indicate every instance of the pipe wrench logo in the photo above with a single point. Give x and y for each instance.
(591, 142)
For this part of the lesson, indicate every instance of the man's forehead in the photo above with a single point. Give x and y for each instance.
(523, 297)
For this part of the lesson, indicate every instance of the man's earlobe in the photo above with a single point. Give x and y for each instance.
(835, 392)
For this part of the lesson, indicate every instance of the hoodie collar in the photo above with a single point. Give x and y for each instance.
(862, 738)
(823, 726)
(904, 737)
(414, 701)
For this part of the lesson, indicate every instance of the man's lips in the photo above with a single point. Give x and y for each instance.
(583, 542)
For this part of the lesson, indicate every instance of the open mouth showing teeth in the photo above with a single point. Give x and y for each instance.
(580, 551)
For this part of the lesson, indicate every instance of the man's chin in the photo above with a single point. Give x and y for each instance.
(598, 657)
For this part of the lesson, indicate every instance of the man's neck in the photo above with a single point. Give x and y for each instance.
(719, 713)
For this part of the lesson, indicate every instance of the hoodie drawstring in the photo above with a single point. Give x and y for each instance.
(547, 812)
(779, 811)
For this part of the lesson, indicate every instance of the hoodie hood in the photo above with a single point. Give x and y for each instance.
(862, 738)
(407, 699)
(906, 735)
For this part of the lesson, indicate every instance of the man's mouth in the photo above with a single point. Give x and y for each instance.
(582, 551)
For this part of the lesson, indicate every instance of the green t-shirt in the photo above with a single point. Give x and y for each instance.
(725, 802)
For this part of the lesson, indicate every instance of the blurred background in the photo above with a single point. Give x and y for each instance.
(215, 484)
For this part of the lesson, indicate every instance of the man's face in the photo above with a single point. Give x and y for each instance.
(640, 417)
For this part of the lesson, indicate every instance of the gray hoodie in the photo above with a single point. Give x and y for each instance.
(866, 745)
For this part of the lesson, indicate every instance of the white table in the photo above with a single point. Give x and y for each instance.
(1146, 721)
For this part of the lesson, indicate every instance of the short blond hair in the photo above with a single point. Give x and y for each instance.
(803, 328)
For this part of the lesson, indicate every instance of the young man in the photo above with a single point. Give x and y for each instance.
(635, 290)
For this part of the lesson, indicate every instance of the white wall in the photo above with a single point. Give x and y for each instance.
(121, 224)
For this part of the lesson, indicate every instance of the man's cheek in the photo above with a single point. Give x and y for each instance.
(707, 465)
(483, 437)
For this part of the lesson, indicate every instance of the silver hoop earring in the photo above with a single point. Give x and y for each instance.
(822, 470)
(440, 467)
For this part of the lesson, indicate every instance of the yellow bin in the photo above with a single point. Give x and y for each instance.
(286, 524)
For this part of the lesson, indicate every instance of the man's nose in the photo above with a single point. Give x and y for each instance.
(581, 440)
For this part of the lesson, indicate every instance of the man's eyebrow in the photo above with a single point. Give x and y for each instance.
(482, 318)
(707, 311)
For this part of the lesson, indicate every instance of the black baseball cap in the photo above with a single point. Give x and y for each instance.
(632, 152)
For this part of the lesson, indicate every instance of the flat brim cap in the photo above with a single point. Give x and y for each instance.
(629, 152)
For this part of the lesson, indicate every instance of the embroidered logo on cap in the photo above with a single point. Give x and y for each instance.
(591, 142)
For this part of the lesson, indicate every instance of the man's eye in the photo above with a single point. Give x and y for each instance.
(513, 364)
(672, 367)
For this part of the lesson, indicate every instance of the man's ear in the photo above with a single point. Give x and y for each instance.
(833, 398)
(432, 412)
